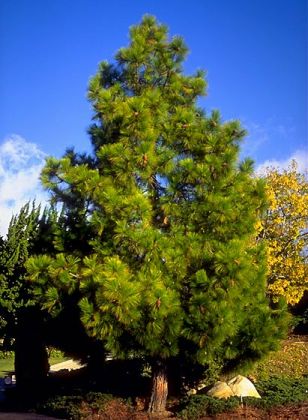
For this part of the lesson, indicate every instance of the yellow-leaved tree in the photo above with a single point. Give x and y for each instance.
(285, 228)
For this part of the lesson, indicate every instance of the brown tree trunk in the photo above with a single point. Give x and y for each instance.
(159, 388)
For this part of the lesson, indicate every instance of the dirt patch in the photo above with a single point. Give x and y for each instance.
(117, 410)
(290, 412)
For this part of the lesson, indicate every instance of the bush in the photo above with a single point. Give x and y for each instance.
(197, 406)
(55, 353)
(63, 407)
(280, 391)
(72, 407)
(274, 392)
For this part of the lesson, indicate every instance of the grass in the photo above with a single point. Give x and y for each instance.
(291, 361)
(6, 366)
(57, 359)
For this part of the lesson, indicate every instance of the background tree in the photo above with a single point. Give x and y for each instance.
(15, 249)
(21, 319)
(166, 266)
(285, 227)
(25, 327)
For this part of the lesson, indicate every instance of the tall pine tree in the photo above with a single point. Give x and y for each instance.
(164, 258)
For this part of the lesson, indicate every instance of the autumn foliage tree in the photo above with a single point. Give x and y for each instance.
(285, 227)
(165, 265)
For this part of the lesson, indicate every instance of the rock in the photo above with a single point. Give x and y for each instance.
(220, 390)
(243, 387)
(192, 392)
(201, 386)
(238, 386)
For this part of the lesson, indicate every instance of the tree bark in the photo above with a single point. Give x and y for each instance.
(159, 388)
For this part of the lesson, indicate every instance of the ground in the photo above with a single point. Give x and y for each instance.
(292, 359)
(278, 413)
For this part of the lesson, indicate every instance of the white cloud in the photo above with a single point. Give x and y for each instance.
(21, 163)
(300, 156)
(257, 137)
(261, 136)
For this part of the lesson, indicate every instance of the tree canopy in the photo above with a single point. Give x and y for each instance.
(162, 216)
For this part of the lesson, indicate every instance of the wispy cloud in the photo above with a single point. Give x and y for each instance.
(263, 136)
(20, 165)
(300, 156)
(257, 137)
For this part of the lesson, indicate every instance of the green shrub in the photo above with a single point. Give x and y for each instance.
(280, 391)
(97, 400)
(55, 353)
(274, 392)
(71, 407)
(197, 406)
(63, 407)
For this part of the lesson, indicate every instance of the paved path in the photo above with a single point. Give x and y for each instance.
(68, 364)
(25, 416)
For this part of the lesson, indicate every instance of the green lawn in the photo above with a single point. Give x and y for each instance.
(290, 361)
(6, 366)
(55, 360)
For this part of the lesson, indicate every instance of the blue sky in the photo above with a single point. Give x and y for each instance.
(254, 52)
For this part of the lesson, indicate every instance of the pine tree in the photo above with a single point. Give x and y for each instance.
(166, 264)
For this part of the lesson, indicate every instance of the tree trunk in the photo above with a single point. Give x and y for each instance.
(31, 358)
(159, 388)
